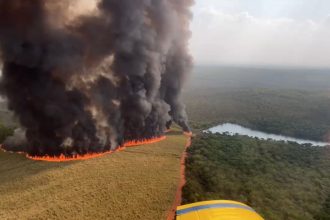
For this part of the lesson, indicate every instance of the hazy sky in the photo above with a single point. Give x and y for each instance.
(262, 32)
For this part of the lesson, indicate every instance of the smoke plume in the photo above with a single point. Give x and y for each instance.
(87, 83)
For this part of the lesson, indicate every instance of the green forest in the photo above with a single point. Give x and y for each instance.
(301, 114)
(280, 180)
(289, 102)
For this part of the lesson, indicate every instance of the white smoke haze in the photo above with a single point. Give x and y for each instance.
(285, 35)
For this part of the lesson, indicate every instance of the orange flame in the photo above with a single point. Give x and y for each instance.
(143, 142)
(182, 182)
(64, 158)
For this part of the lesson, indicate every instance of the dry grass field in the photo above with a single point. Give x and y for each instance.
(138, 183)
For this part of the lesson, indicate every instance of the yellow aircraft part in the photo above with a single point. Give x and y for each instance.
(217, 210)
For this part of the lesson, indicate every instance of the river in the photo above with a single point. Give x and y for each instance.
(233, 129)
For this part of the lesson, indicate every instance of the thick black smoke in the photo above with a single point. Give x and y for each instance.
(92, 83)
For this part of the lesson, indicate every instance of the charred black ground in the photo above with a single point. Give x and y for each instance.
(91, 83)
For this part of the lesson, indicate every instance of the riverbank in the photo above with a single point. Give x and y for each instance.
(233, 129)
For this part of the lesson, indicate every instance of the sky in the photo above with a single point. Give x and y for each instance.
(261, 32)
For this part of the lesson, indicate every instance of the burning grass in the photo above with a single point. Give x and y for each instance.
(64, 158)
(138, 183)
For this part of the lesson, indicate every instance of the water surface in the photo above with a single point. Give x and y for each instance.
(233, 129)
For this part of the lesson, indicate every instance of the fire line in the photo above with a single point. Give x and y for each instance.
(64, 158)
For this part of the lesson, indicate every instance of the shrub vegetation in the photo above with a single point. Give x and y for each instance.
(280, 180)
